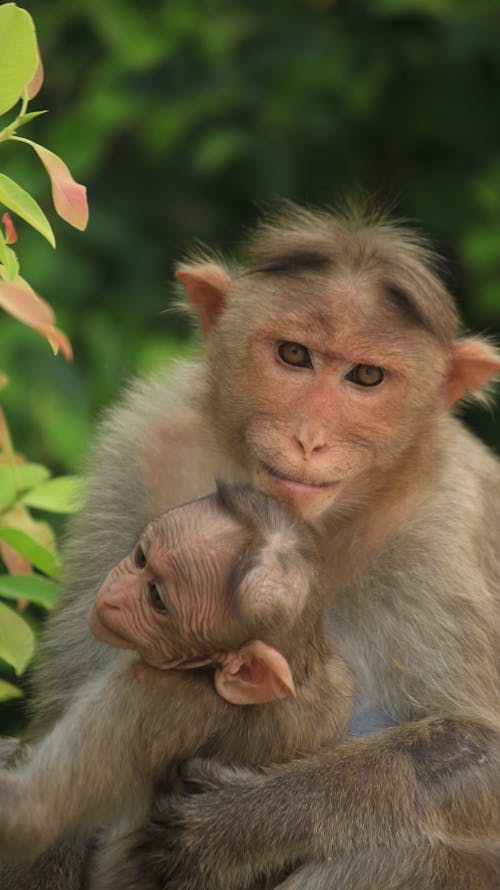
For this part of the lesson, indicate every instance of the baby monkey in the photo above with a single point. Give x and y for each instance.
(218, 603)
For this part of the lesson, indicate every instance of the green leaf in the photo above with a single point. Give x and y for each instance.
(61, 495)
(17, 478)
(29, 475)
(8, 691)
(19, 201)
(26, 118)
(8, 259)
(11, 265)
(43, 559)
(17, 642)
(34, 588)
(3, 249)
(18, 54)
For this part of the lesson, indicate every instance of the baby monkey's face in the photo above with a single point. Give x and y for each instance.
(168, 599)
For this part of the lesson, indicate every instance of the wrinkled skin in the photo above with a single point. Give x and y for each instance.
(166, 599)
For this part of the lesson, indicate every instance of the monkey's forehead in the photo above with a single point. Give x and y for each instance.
(312, 254)
(337, 304)
(194, 526)
(346, 327)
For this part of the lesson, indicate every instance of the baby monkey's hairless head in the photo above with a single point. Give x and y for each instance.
(215, 580)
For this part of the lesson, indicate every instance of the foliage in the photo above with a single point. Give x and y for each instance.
(27, 545)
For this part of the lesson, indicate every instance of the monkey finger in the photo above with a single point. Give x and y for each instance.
(199, 776)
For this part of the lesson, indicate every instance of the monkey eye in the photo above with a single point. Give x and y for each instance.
(366, 375)
(139, 557)
(155, 598)
(294, 354)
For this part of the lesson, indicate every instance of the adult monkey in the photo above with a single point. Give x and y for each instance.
(329, 367)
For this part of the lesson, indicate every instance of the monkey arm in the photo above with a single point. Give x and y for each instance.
(102, 754)
(392, 797)
(62, 868)
(75, 775)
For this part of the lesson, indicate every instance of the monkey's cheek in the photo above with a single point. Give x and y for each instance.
(306, 501)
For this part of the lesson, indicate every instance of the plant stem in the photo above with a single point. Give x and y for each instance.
(9, 131)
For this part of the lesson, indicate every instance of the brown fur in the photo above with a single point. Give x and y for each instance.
(408, 535)
(133, 724)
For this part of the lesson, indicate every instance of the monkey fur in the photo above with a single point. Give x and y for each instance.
(332, 365)
(210, 585)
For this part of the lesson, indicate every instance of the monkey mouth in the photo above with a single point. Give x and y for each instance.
(293, 481)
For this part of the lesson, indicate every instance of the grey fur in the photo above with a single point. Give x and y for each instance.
(409, 562)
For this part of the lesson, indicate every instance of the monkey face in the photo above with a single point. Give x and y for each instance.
(128, 607)
(323, 399)
(330, 354)
(168, 598)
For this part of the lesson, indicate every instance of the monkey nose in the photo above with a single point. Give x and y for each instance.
(308, 445)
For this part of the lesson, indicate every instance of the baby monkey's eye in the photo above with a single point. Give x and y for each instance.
(295, 354)
(155, 598)
(139, 557)
(366, 375)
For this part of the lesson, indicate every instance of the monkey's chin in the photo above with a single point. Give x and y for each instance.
(305, 500)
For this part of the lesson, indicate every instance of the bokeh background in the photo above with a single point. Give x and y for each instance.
(185, 118)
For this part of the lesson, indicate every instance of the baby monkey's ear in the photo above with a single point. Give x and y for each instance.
(254, 674)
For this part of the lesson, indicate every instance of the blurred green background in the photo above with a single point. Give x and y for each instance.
(185, 118)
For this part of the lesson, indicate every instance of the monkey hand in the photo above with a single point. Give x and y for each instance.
(234, 830)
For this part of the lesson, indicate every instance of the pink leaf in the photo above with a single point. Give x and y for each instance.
(10, 229)
(15, 563)
(21, 301)
(58, 341)
(35, 84)
(70, 198)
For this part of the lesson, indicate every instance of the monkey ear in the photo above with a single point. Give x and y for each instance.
(254, 674)
(473, 363)
(206, 285)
